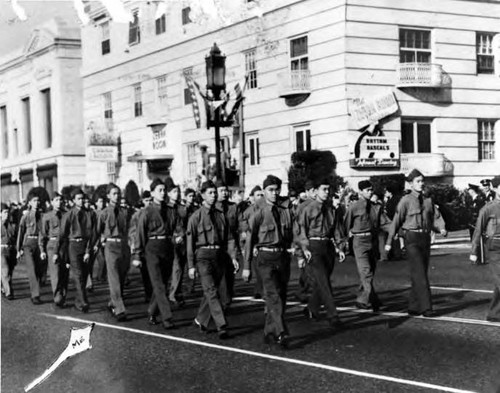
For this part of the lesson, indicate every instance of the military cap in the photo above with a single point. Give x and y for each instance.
(309, 184)
(146, 194)
(255, 189)
(220, 183)
(485, 182)
(364, 184)
(76, 191)
(155, 183)
(413, 174)
(474, 187)
(206, 185)
(271, 180)
(170, 185)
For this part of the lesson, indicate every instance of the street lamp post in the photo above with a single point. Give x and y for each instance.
(216, 74)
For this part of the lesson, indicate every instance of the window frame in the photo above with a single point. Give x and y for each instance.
(298, 59)
(481, 140)
(415, 122)
(251, 67)
(306, 137)
(47, 109)
(4, 127)
(186, 98)
(107, 100)
(480, 54)
(137, 93)
(105, 38)
(255, 158)
(192, 165)
(161, 89)
(186, 19)
(161, 24)
(414, 49)
(137, 27)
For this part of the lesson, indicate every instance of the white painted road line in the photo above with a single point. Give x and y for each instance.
(389, 313)
(462, 289)
(267, 356)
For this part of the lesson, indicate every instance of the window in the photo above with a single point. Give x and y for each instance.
(414, 46)
(47, 116)
(161, 88)
(484, 50)
(251, 69)
(188, 72)
(486, 133)
(191, 154)
(298, 54)
(253, 150)
(416, 136)
(302, 138)
(185, 15)
(27, 124)
(137, 100)
(105, 40)
(5, 131)
(111, 171)
(108, 111)
(134, 30)
(161, 24)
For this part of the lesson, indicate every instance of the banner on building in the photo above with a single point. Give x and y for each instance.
(370, 110)
(102, 153)
(376, 152)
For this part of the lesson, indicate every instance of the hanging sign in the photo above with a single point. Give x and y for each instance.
(370, 110)
(376, 152)
(102, 153)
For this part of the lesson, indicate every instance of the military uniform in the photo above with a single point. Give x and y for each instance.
(321, 233)
(132, 238)
(488, 228)
(175, 292)
(27, 240)
(78, 235)
(112, 230)
(304, 289)
(363, 222)
(8, 246)
(49, 234)
(416, 216)
(208, 243)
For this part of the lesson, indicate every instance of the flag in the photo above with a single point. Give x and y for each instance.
(199, 112)
(79, 342)
(239, 96)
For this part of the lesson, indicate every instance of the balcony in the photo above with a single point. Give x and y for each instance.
(430, 164)
(421, 75)
(294, 83)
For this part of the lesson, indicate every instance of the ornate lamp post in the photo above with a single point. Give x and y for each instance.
(216, 75)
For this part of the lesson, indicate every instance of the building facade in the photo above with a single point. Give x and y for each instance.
(386, 86)
(41, 112)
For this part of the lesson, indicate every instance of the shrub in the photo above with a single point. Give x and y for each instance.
(396, 181)
(453, 204)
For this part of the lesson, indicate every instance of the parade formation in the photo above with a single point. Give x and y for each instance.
(166, 236)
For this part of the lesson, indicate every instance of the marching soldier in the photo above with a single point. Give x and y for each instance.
(208, 241)
(112, 230)
(416, 215)
(270, 235)
(49, 234)
(157, 232)
(8, 246)
(478, 202)
(27, 245)
(362, 222)
(321, 236)
(488, 227)
(77, 235)
(189, 207)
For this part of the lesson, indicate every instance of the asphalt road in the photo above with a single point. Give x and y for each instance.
(386, 352)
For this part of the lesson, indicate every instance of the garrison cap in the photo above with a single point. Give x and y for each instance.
(220, 183)
(364, 184)
(413, 174)
(206, 185)
(271, 180)
(255, 189)
(170, 185)
(146, 194)
(155, 183)
(76, 191)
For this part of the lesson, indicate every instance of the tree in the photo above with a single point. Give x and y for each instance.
(131, 194)
(395, 181)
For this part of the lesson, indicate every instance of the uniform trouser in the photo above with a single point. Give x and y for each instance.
(210, 266)
(418, 249)
(58, 273)
(180, 260)
(226, 287)
(480, 257)
(117, 258)
(365, 254)
(146, 280)
(320, 268)
(99, 268)
(257, 289)
(33, 265)
(8, 263)
(274, 268)
(159, 258)
(79, 271)
(382, 239)
(493, 252)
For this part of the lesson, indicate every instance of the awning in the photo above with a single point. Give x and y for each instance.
(150, 157)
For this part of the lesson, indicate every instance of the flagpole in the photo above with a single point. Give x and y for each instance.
(242, 146)
(218, 168)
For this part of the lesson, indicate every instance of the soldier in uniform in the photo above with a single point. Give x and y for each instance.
(416, 215)
(270, 235)
(112, 230)
(8, 246)
(208, 241)
(362, 223)
(78, 235)
(488, 227)
(49, 234)
(321, 236)
(27, 245)
(477, 204)
(489, 194)
(189, 207)
(158, 230)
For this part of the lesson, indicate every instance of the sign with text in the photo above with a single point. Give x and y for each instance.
(376, 152)
(366, 111)
(102, 153)
(159, 139)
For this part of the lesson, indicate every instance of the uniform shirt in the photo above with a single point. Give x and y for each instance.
(8, 233)
(51, 227)
(132, 229)
(363, 216)
(414, 211)
(156, 220)
(78, 224)
(112, 222)
(264, 230)
(29, 226)
(488, 224)
(318, 219)
(490, 196)
(230, 211)
(208, 226)
(390, 206)
(477, 204)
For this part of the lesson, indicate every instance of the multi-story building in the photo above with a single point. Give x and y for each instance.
(385, 85)
(41, 122)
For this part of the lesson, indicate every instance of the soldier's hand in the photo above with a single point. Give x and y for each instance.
(178, 240)
(43, 256)
(19, 254)
(246, 275)
(473, 258)
(96, 248)
(67, 266)
(192, 273)
(136, 263)
(387, 247)
(444, 232)
(55, 258)
(243, 235)
(86, 257)
(236, 266)
(308, 255)
(302, 263)
(341, 256)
